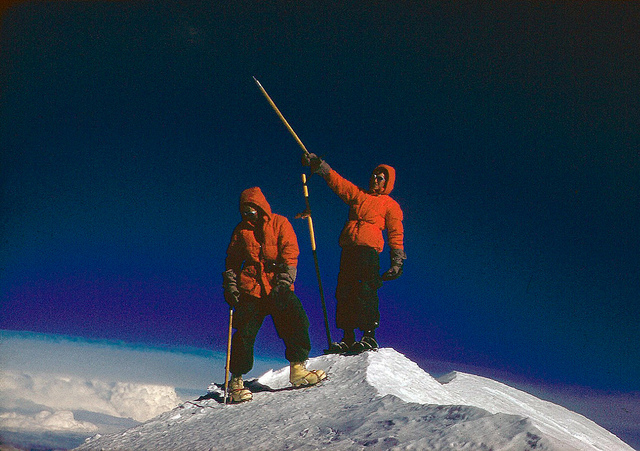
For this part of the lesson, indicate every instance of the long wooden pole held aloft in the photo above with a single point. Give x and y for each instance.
(307, 212)
(284, 121)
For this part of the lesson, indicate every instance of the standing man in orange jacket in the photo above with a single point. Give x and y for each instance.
(261, 263)
(370, 213)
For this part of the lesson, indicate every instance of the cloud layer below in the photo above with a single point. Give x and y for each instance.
(139, 402)
(75, 387)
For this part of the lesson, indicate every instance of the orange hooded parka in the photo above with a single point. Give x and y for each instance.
(257, 253)
(369, 214)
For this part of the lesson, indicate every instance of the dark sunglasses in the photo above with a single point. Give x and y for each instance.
(249, 212)
(378, 177)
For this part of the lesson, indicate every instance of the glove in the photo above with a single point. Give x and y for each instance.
(316, 164)
(232, 297)
(280, 288)
(397, 262)
(285, 278)
(231, 292)
(283, 282)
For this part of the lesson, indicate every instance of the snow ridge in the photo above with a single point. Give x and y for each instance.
(375, 401)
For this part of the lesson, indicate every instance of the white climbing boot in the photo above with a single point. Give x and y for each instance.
(238, 391)
(300, 376)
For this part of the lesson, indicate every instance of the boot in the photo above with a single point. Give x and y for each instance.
(367, 343)
(238, 392)
(344, 345)
(299, 375)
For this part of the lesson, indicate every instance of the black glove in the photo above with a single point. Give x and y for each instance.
(232, 297)
(285, 278)
(280, 288)
(231, 292)
(315, 163)
(283, 281)
(397, 262)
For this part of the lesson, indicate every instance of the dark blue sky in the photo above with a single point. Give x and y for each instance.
(129, 129)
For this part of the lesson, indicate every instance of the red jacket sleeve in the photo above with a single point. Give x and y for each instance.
(395, 228)
(346, 190)
(288, 243)
(235, 253)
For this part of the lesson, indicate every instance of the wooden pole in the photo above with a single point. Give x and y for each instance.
(226, 368)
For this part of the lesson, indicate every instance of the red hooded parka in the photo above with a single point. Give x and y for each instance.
(369, 213)
(256, 251)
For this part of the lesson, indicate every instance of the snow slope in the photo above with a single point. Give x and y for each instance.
(377, 400)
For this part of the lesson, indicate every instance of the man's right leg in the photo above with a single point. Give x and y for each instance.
(357, 296)
(369, 282)
(346, 309)
(247, 322)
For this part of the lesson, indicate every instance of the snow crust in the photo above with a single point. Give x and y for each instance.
(374, 401)
(570, 428)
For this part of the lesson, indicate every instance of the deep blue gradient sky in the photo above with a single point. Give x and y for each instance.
(129, 129)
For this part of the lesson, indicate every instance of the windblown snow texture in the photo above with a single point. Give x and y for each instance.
(377, 400)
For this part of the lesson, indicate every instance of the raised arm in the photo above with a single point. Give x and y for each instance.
(346, 190)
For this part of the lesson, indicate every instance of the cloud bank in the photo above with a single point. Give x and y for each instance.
(73, 387)
(139, 402)
(59, 421)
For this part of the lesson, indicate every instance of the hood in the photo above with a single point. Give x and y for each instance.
(391, 177)
(255, 197)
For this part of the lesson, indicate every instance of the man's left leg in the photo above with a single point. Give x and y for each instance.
(292, 326)
(370, 282)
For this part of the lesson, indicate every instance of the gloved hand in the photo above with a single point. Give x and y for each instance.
(315, 163)
(232, 297)
(231, 292)
(280, 288)
(285, 278)
(283, 281)
(397, 262)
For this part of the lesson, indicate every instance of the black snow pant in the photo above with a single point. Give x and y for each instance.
(290, 320)
(357, 290)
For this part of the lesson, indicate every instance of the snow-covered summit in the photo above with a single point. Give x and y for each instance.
(376, 400)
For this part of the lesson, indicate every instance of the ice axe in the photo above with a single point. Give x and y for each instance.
(307, 212)
(226, 367)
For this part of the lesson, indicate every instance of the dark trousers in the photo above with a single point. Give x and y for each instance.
(357, 290)
(290, 320)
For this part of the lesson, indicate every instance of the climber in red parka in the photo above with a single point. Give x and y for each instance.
(261, 263)
(370, 213)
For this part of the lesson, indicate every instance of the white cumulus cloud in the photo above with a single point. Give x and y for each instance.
(62, 420)
(72, 387)
(120, 399)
